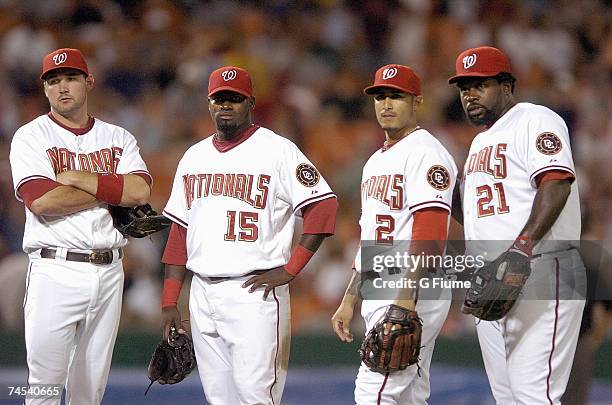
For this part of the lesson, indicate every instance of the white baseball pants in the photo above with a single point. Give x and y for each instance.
(406, 386)
(72, 312)
(528, 354)
(241, 341)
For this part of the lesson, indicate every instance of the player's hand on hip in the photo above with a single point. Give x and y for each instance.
(171, 317)
(269, 280)
(341, 322)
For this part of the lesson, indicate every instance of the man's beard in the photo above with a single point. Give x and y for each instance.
(487, 119)
(227, 126)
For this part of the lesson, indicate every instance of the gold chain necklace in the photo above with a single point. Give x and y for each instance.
(387, 145)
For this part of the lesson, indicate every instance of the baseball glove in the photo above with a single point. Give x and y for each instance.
(385, 352)
(173, 360)
(496, 286)
(139, 221)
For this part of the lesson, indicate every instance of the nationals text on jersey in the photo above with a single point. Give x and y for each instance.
(379, 188)
(236, 185)
(101, 161)
(482, 161)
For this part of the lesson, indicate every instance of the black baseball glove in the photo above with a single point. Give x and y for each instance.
(394, 343)
(173, 360)
(139, 221)
(496, 286)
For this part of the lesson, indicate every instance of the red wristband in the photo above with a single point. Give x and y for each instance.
(524, 244)
(299, 258)
(110, 188)
(172, 290)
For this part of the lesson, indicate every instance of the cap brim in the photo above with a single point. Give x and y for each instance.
(374, 89)
(475, 74)
(229, 88)
(80, 69)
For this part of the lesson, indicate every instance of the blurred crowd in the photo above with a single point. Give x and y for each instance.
(310, 61)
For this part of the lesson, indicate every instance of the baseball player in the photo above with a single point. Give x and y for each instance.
(68, 167)
(406, 199)
(519, 189)
(233, 203)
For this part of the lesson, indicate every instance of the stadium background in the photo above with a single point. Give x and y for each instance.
(310, 61)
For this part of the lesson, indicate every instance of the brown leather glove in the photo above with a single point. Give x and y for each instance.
(394, 343)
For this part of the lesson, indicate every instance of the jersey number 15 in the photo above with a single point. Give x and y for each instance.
(247, 221)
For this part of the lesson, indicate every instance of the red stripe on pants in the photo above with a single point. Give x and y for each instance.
(554, 333)
(382, 388)
(277, 342)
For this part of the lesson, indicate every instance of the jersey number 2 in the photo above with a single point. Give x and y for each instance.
(248, 226)
(484, 203)
(387, 226)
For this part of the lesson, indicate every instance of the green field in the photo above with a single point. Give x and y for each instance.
(306, 350)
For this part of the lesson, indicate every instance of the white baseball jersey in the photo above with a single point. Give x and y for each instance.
(416, 172)
(498, 185)
(238, 206)
(42, 149)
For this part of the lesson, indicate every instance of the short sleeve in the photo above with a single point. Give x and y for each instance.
(548, 145)
(29, 161)
(177, 205)
(131, 162)
(430, 179)
(302, 184)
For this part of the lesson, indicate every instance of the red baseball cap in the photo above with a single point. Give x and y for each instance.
(484, 61)
(398, 77)
(64, 58)
(230, 78)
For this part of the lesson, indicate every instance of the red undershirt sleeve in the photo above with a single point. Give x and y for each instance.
(320, 217)
(175, 252)
(553, 175)
(34, 189)
(429, 231)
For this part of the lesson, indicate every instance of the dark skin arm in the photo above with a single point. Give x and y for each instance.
(457, 210)
(279, 276)
(171, 315)
(547, 206)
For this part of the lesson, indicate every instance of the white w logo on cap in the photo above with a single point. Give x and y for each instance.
(60, 58)
(229, 75)
(469, 61)
(389, 73)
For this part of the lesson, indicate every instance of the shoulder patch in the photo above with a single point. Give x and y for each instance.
(307, 175)
(438, 177)
(548, 143)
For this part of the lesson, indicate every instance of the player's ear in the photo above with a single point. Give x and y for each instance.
(417, 101)
(89, 81)
(252, 102)
(507, 88)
